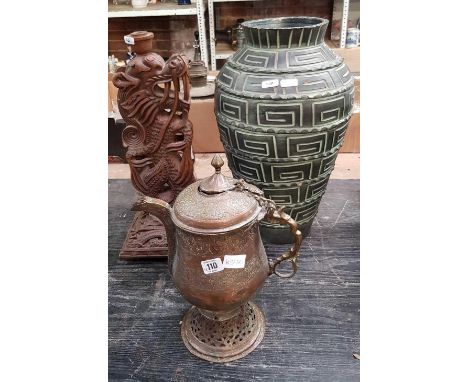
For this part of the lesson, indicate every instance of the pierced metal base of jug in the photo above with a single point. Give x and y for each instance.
(217, 339)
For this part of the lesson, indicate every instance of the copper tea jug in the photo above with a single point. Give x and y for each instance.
(217, 261)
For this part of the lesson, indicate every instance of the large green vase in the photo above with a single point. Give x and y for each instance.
(283, 102)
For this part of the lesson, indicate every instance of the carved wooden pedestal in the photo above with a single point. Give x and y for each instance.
(146, 239)
(154, 101)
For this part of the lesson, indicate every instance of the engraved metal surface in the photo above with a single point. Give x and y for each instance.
(213, 205)
(213, 222)
(223, 341)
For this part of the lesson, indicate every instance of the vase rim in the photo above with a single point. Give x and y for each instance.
(286, 23)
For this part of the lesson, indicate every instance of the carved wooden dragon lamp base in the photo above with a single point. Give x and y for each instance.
(154, 101)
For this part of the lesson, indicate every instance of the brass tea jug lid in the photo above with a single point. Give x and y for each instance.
(213, 204)
(216, 183)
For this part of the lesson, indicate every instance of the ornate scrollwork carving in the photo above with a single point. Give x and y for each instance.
(154, 101)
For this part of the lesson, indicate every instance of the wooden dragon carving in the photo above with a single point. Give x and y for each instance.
(154, 101)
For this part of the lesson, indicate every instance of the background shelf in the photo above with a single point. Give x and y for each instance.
(197, 8)
(158, 9)
(218, 18)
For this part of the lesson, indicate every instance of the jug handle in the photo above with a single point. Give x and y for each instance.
(278, 216)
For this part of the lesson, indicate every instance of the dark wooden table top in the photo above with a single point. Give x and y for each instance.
(312, 319)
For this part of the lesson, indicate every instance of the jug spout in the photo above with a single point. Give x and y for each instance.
(162, 211)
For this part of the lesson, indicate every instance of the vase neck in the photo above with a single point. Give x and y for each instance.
(285, 32)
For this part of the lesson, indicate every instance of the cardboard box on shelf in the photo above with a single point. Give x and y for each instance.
(351, 142)
(205, 129)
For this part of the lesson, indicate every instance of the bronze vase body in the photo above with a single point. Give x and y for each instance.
(210, 220)
(283, 102)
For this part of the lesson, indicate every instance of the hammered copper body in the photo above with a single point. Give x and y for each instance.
(212, 218)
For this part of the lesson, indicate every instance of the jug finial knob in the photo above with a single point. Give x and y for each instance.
(217, 162)
(216, 183)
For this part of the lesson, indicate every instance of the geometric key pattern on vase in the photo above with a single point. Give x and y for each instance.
(283, 102)
(255, 169)
(282, 145)
(289, 114)
(292, 193)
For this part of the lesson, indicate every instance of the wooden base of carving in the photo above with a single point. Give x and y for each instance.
(146, 239)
